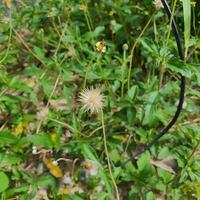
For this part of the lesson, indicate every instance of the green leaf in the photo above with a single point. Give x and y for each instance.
(8, 159)
(187, 23)
(46, 180)
(17, 84)
(43, 140)
(149, 196)
(87, 151)
(143, 162)
(4, 181)
(179, 66)
(101, 195)
(133, 92)
(149, 108)
(6, 138)
(15, 190)
(116, 28)
(39, 52)
(131, 115)
(98, 30)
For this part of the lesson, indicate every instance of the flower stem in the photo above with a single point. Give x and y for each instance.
(108, 159)
(122, 72)
(132, 51)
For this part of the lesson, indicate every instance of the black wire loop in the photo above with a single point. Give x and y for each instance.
(182, 88)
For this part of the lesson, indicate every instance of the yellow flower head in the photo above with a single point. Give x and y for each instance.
(92, 100)
(83, 7)
(7, 3)
(101, 47)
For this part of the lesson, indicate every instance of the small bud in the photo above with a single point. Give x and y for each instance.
(55, 163)
(125, 47)
(34, 150)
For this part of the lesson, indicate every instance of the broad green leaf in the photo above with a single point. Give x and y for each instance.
(133, 92)
(8, 159)
(16, 190)
(39, 52)
(6, 138)
(87, 151)
(187, 23)
(149, 196)
(46, 180)
(179, 66)
(149, 108)
(143, 162)
(43, 140)
(98, 30)
(116, 28)
(4, 181)
(101, 195)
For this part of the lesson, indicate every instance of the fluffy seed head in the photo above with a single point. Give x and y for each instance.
(92, 100)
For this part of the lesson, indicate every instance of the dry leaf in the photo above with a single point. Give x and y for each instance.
(54, 169)
(65, 136)
(59, 104)
(167, 164)
(42, 114)
(41, 194)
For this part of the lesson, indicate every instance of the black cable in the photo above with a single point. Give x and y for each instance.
(181, 94)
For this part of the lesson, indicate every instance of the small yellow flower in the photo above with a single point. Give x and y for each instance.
(92, 99)
(7, 3)
(63, 190)
(158, 4)
(53, 137)
(101, 47)
(52, 12)
(83, 7)
(18, 130)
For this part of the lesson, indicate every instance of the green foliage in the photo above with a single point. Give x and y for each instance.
(4, 181)
(48, 55)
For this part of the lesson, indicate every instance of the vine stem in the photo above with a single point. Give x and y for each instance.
(162, 70)
(108, 159)
(181, 93)
(132, 51)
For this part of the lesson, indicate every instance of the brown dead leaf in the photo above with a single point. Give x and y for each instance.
(53, 169)
(167, 164)
(42, 114)
(59, 104)
(41, 194)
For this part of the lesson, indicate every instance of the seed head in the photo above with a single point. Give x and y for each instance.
(92, 100)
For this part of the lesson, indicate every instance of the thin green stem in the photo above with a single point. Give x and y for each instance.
(48, 103)
(132, 51)
(9, 38)
(162, 70)
(108, 159)
(88, 67)
(122, 72)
